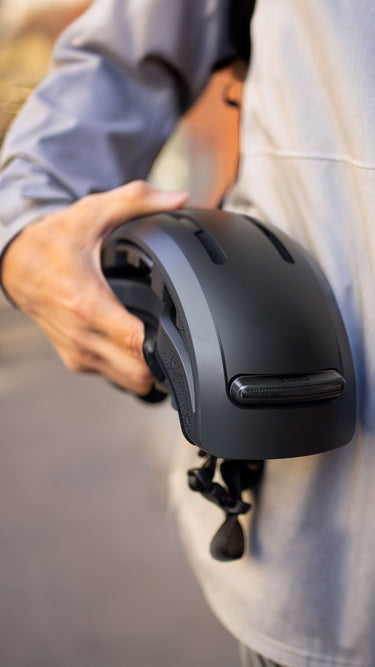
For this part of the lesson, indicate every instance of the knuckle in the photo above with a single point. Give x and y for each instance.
(83, 307)
(134, 342)
(79, 341)
(86, 211)
(87, 202)
(138, 189)
(143, 381)
(74, 363)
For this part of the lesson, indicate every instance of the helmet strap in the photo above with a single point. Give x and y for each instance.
(228, 543)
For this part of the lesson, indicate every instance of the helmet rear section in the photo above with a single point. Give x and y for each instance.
(242, 330)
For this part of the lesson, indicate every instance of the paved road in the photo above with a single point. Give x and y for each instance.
(91, 571)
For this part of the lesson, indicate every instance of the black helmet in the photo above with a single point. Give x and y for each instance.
(242, 329)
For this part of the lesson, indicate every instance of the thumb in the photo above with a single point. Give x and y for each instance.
(133, 200)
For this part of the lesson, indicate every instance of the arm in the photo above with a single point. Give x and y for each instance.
(123, 74)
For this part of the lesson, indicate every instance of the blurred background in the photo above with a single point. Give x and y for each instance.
(91, 570)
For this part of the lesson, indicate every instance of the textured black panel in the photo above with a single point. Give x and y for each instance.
(174, 314)
(177, 380)
(157, 283)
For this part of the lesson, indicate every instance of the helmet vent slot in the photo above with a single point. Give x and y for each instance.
(209, 243)
(211, 246)
(278, 245)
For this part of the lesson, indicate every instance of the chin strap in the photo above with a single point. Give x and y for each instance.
(228, 543)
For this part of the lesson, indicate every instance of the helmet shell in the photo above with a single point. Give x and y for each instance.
(249, 339)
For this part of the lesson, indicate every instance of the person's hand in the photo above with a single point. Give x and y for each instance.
(52, 272)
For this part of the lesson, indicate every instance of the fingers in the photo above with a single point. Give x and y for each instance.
(115, 341)
(97, 334)
(97, 310)
(52, 272)
(85, 351)
(125, 371)
(104, 211)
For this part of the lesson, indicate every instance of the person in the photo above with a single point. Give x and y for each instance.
(304, 594)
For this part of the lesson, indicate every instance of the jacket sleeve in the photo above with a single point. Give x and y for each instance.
(122, 74)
